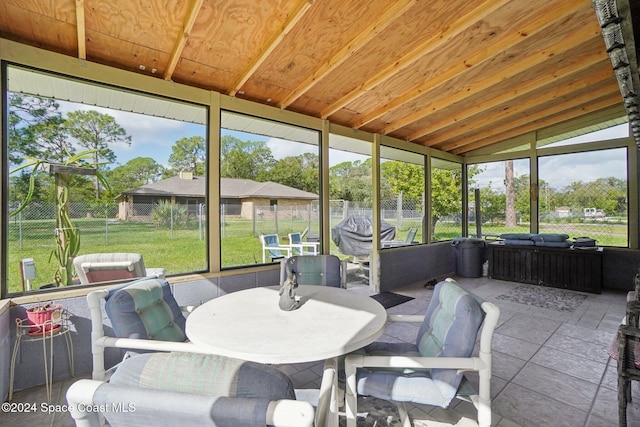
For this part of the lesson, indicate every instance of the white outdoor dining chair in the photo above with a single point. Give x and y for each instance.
(169, 389)
(429, 371)
(298, 247)
(272, 248)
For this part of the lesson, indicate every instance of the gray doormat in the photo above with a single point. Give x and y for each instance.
(390, 299)
(544, 297)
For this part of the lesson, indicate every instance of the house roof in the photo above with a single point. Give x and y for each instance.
(456, 75)
(230, 188)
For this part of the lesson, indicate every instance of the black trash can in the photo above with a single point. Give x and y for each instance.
(470, 255)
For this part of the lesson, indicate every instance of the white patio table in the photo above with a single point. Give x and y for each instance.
(249, 324)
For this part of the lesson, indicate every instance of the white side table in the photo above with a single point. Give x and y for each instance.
(27, 332)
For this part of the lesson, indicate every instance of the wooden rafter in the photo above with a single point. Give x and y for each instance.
(466, 65)
(541, 85)
(525, 63)
(394, 12)
(409, 59)
(296, 15)
(524, 102)
(602, 82)
(182, 39)
(80, 28)
(588, 102)
(590, 107)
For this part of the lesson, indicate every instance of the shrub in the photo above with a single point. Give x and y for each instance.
(167, 215)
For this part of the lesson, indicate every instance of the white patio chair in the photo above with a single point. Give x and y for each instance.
(431, 370)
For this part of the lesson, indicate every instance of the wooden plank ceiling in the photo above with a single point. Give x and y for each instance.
(456, 75)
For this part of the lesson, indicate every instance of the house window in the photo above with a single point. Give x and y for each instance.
(139, 146)
(273, 170)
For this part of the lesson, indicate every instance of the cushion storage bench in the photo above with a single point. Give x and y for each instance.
(578, 269)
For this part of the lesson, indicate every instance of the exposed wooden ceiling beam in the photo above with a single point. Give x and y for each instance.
(547, 116)
(296, 15)
(394, 12)
(80, 28)
(182, 39)
(600, 81)
(429, 45)
(467, 65)
(590, 107)
(540, 84)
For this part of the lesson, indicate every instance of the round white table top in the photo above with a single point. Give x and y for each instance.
(250, 325)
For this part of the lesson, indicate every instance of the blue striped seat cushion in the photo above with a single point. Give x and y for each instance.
(145, 309)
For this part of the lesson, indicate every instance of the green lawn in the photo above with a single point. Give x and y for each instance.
(183, 251)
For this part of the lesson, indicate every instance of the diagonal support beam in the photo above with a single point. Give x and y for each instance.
(429, 45)
(80, 28)
(296, 15)
(394, 12)
(182, 40)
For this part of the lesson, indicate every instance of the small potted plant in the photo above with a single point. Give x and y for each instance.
(46, 314)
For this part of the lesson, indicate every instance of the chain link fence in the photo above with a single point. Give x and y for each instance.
(158, 232)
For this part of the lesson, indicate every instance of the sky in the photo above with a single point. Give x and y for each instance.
(154, 137)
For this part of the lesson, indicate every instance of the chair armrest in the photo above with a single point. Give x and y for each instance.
(151, 345)
(290, 413)
(407, 318)
(460, 363)
(80, 398)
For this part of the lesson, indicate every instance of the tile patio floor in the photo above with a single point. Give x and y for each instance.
(551, 367)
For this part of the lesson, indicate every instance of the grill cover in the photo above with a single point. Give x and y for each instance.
(354, 235)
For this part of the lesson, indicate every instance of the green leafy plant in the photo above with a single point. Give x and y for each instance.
(168, 215)
(66, 234)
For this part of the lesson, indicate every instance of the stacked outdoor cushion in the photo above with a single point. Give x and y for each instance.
(554, 240)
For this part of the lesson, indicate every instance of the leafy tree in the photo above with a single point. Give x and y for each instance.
(28, 116)
(446, 191)
(405, 178)
(492, 205)
(136, 172)
(189, 155)
(95, 131)
(245, 159)
(299, 172)
(351, 181)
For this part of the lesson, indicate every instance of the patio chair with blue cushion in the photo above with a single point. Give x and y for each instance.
(298, 247)
(271, 247)
(429, 371)
(323, 270)
(144, 316)
(170, 389)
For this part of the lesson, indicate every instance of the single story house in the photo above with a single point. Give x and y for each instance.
(243, 198)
